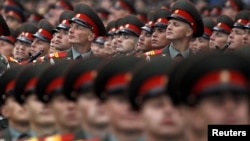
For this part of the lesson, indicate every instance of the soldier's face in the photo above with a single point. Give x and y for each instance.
(79, 34)
(12, 22)
(52, 47)
(121, 116)
(126, 43)
(144, 42)
(21, 50)
(114, 42)
(161, 118)
(158, 38)
(236, 37)
(38, 45)
(217, 39)
(97, 49)
(109, 51)
(177, 30)
(6, 48)
(200, 45)
(222, 109)
(246, 37)
(62, 40)
(15, 112)
(65, 113)
(93, 112)
(40, 114)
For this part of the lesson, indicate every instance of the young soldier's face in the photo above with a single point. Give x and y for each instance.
(246, 37)
(79, 34)
(126, 43)
(200, 45)
(121, 116)
(144, 42)
(62, 40)
(97, 49)
(65, 112)
(14, 111)
(177, 30)
(39, 112)
(217, 39)
(93, 112)
(21, 50)
(39, 45)
(108, 50)
(161, 118)
(235, 38)
(6, 48)
(158, 39)
(114, 42)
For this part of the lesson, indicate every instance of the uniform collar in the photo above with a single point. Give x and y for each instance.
(173, 52)
(76, 53)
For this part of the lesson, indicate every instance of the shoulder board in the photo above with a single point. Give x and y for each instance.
(57, 55)
(11, 59)
(153, 52)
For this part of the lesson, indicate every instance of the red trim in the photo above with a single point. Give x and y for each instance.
(89, 21)
(123, 5)
(218, 77)
(10, 85)
(64, 5)
(162, 20)
(30, 84)
(242, 21)
(153, 52)
(57, 55)
(45, 33)
(66, 22)
(134, 28)
(27, 35)
(142, 17)
(67, 137)
(12, 39)
(187, 16)
(224, 26)
(152, 82)
(150, 23)
(34, 17)
(112, 29)
(14, 14)
(103, 15)
(55, 83)
(233, 4)
(118, 80)
(208, 31)
(83, 78)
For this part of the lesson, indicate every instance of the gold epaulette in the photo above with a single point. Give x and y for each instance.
(57, 55)
(11, 59)
(153, 52)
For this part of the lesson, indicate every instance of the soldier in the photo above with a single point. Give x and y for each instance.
(212, 89)
(147, 95)
(184, 24)
(18, 121)
(110, 33)
(158, 39)
(85, 26)
(7, 43)
(24, 40)
(42, 38)
(61, 36)
(14, 16)
(121, 9)
(97, 46)
(110, 85)
(34, 17)
(232, 7)
(49, 90)
(41, 119)
(220, 33)
(246, 36)
(77, 86)
(201, 44)
(238, 30)
(128, 35)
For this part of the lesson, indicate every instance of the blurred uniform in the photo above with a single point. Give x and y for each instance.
(41, 119)
(211, 89)
(110, 86)
(78, 86)
(184, 14)
(14, 16)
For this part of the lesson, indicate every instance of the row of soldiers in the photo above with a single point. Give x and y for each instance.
(127, 81)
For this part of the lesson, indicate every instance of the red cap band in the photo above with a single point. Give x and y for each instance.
(14, 14)
(54, 84)
(123, 5)
(120, 79)
(134, 28)
(208, 31)
(89, 21)
(30, 85)
(27, 35)
(63, 5)
(112, 29)
(162, 20)
(45, 33)
(188, 17)
(34, 17)
(66, 22)
(218, 77)
(9, 86)
(231, 3)
(224, 26)
(242, 21)
(85, 77)
(152, 82)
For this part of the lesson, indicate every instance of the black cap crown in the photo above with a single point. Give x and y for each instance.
(224, 24)
(132, 25)
(45, 31)
(26, 31)
(110, 29)
(11, 38)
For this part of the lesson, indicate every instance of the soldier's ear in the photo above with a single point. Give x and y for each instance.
(5, 111)
(91, 37)
(189, 32)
